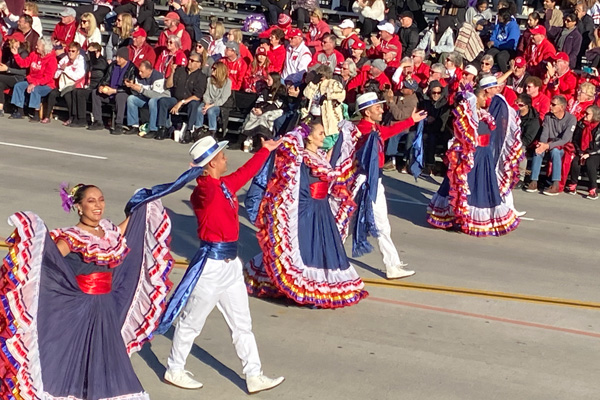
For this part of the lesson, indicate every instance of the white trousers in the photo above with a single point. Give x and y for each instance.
(382, 222)
(221, 284)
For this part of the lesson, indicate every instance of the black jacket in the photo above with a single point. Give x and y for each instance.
(409, 37)
(13, 68)
(97, 68)
(130, 74)
(186, 85)
(530, 127)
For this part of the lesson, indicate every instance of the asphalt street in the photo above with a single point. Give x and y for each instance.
(403, 342)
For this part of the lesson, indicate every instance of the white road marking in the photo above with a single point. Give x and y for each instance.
(53, 151)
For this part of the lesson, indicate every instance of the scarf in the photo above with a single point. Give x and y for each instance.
(587, 134)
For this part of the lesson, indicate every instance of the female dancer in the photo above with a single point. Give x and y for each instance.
(302, 220)
(78, 302)
(470, 197)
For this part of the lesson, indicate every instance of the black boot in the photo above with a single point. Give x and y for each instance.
(161, 134)
(187, 137)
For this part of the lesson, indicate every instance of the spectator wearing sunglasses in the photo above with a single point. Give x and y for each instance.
(558, 128)
(570, 39)
(530, 129)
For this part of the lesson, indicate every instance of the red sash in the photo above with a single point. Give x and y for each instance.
(483, 140)
(319, 190)
(95, 283)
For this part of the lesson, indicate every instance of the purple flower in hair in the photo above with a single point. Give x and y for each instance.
(66, 197)
(304, 130)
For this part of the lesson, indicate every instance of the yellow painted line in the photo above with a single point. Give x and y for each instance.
(482, 293)
(183, 264)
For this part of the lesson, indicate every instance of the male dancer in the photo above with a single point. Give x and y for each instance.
(215, 274)
(371, 111)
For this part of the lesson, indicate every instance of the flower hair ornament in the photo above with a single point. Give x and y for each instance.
(68, 196)
(303, 129)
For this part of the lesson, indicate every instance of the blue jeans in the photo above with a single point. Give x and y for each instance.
(555, 158)
(35, 97)
(212, 114)
(134, 103)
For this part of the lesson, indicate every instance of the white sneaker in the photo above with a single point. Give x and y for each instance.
(261, 382)
(398, 272)
(182, 379)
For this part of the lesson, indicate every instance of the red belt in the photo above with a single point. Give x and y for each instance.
(319, 190)
(483, 140)
(96, 283)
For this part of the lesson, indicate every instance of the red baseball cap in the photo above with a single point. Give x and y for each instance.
(294, 32)
(261, 51)
(18, 36)
(561, 56)
(172, 15)
(139, 32)
(520, 62)
(538, 30)
(359, 44)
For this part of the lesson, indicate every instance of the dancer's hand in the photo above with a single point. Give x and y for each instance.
(418, 116)
(271, 144)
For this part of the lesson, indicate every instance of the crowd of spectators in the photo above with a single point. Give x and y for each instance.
(170, 80)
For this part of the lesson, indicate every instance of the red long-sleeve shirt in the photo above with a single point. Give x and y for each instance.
(65, 34)
(377, 52)
(541, 103)
(41, 69)
(385, 132)
(238, 70)
(217, 220)
(146, 52)
(277, 58)
(565, 85)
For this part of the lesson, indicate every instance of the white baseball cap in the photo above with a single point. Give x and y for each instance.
(386, 26)
(347, 23)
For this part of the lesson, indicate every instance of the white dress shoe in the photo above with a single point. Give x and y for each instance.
(182, 379)
(398, 272)
(261, 382)
(520, 213)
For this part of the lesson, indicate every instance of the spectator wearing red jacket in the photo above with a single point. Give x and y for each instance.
(350, 37)
(64, 31)
(539, 101)
(540, 52)
(390, 56)
(39, 82)
(173, 26)
(386, 38)
(284, 22)
(235, 35)
(235, 64)
(172, 54)
(421, 71)
(560, 79)
(585, 98)
(454, 73)
(139, 49)
(373, 72)
(316, 30)
(276, 51)
(328, 55)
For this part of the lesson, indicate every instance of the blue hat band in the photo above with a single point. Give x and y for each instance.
(368, 103)
(206, 154)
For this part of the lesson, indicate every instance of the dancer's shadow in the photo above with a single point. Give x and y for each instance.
(367, 267)
(159, 369)
(407, 201)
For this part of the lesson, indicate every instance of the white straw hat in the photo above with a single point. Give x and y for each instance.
(205, 150)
